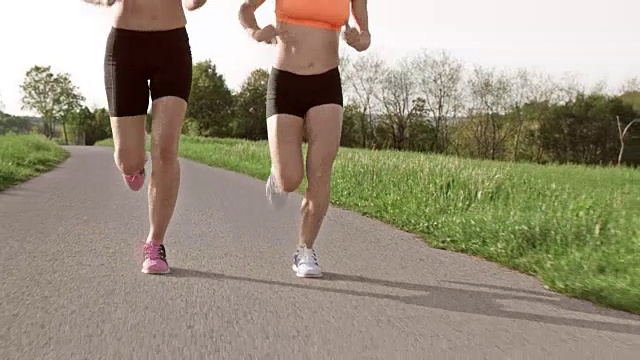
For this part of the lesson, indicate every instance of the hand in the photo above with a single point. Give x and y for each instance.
(269, 34)
(192, 5)
(359, 40)
(107, 3)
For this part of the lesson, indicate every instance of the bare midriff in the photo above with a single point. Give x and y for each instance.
(313, 34)
(307, 50)
(149, 15)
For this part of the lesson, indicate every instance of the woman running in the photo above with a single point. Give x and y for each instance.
(305, 93)
(148, 52)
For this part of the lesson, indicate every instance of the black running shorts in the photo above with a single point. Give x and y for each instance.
(293, 94)
(137, 63)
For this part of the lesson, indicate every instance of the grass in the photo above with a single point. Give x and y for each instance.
(25, 156)
(576, 228)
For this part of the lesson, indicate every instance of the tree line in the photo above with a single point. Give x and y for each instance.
(61, 110)
(432, 102)
(427, 102)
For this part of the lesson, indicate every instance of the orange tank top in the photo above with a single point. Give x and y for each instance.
(324, 14)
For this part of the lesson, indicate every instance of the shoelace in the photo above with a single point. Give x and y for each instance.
(307, 256)
(134, 176)
(154, 251)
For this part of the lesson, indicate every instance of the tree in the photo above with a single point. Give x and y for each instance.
(522, 82)
(364, 78)
(489, 91)
(630, 94)
(439, 78)
(52, 96)
(569, 87)
(351, 134)
(210, 103)
(100, 126)
(585, 130)
(250, 107)
(530, 94)
(90, 126)
(401, 108)
(632, 97)
(80, 122)
(623, 130)
(631, 85)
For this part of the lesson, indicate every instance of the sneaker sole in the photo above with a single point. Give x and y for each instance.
(155, 272)
(312, 276)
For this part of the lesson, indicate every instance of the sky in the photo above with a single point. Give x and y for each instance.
(597, 40)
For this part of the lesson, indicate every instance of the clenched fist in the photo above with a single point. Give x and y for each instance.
(359, 40)
(268, 34)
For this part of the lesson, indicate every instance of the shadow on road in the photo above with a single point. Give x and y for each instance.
(453, 299)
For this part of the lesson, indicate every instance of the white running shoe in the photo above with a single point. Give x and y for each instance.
(305, 263)
(276, 198)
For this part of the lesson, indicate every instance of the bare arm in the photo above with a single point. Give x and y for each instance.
(193, 4)
(361, 14)
(247, 15)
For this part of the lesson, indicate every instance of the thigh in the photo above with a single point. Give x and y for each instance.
(285, 145)
(129, 135)
(285, 123)
(171, 73)
(324, 129)
(167, 115)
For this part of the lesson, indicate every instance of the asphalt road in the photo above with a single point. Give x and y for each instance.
(71, 286)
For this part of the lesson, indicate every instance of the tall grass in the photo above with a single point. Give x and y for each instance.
(577, 228)
(25, 156)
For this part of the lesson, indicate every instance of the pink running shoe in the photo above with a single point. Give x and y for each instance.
(155, 259)
(135, 182)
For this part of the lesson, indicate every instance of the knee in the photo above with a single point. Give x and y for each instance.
(162, 154)
(289, 180)
(129, 161)
(319, 180)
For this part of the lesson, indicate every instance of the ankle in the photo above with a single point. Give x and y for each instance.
(132, 174)
(153, 240)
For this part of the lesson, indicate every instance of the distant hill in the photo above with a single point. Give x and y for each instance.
(33, 119)
(18, 124)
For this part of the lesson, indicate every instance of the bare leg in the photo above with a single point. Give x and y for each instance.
(285, 146)
(128, 142)
(324, 128)
(168, 116)
(324, 125)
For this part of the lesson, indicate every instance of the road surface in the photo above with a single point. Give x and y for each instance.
(72, 288)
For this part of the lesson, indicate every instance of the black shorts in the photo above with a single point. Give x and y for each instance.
(293, 94)
(139, 62)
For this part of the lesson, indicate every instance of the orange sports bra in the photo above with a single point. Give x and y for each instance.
(324, 14)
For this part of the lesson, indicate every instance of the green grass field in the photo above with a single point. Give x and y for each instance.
(25, 156)
(576, 228)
